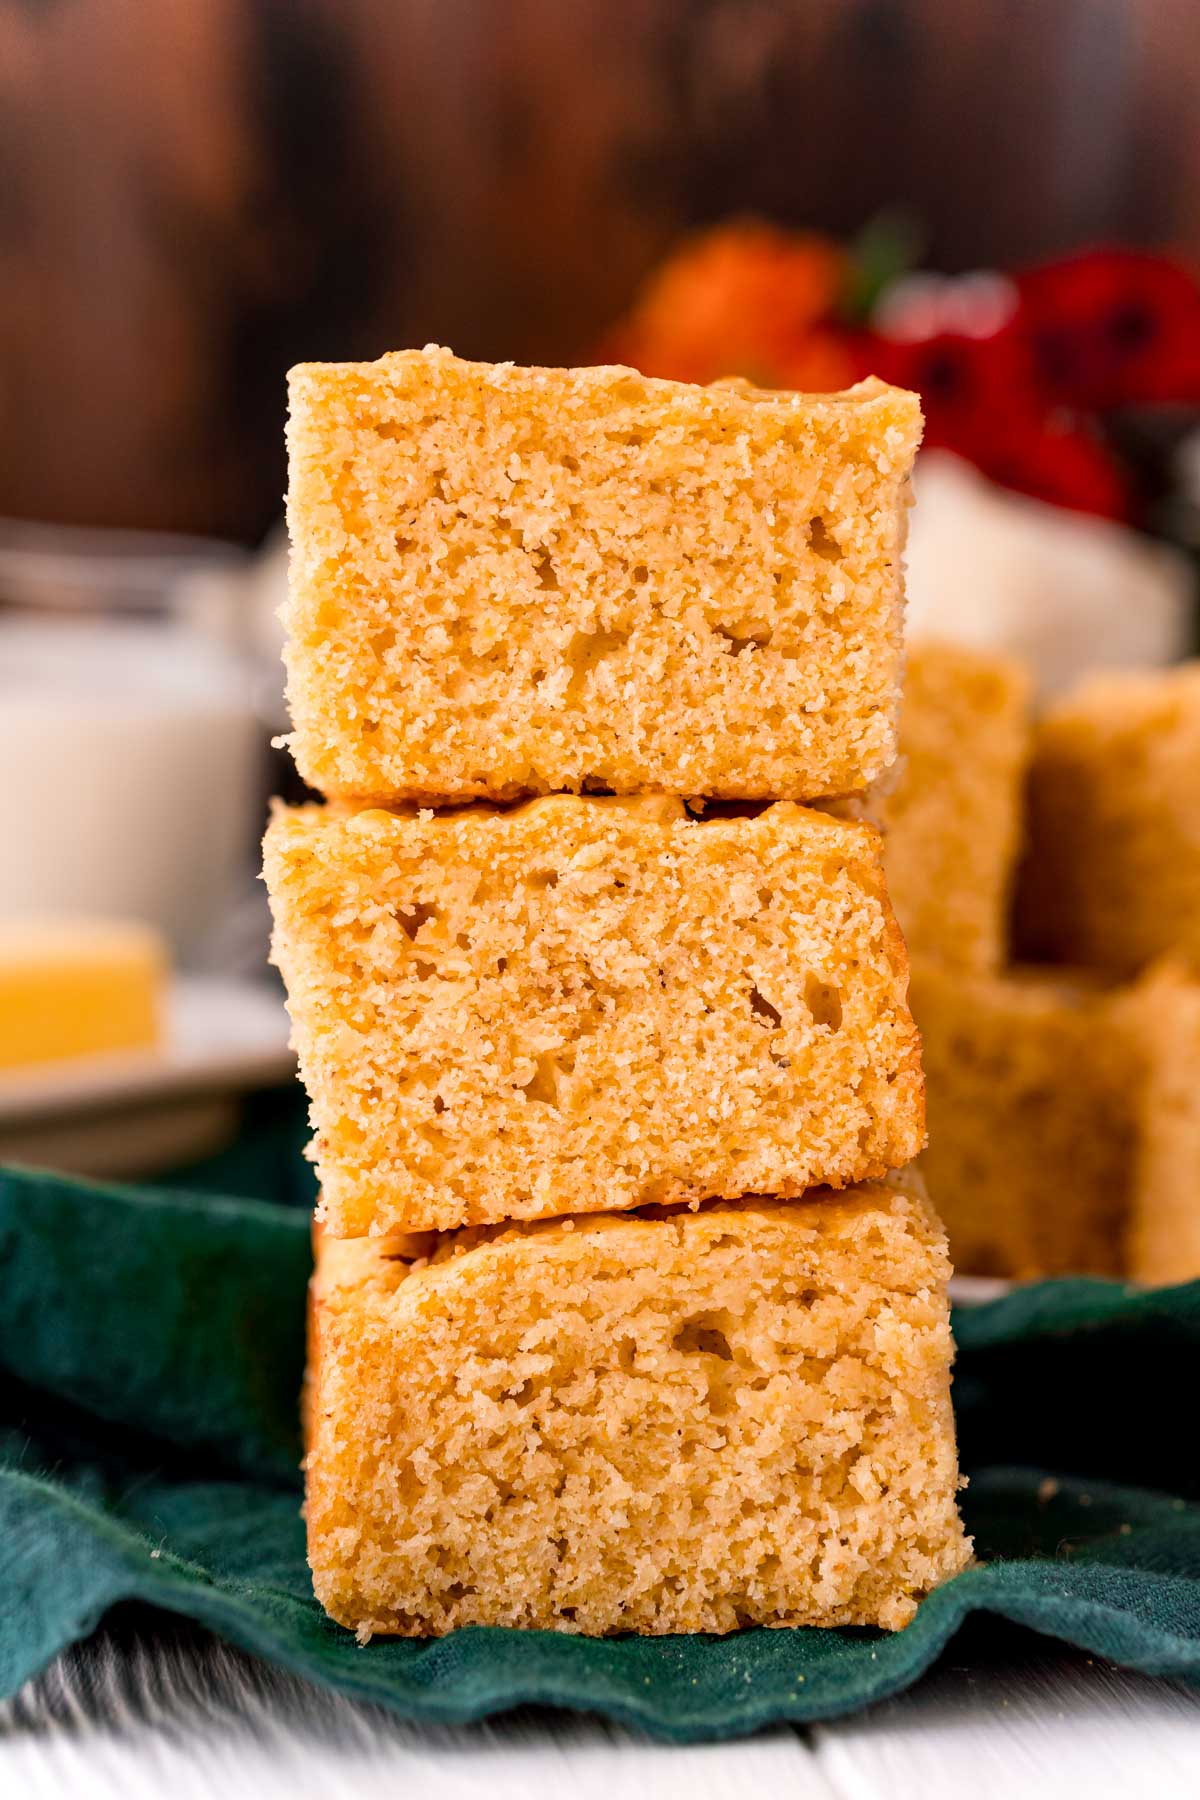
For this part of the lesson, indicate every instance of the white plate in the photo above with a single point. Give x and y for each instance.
(220, 1035)
(973, 1290)
(138, 1112)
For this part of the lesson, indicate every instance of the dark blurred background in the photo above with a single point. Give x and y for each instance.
(196, 193)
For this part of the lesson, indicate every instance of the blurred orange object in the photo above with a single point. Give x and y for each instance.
(745, 298)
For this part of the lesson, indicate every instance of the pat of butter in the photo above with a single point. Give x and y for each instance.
(78, 987)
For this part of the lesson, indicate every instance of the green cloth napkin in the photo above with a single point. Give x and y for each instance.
(150, 1356)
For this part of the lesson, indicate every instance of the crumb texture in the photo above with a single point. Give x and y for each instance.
(1033, 1084)
(584, 1004)
(1112, 875)
(508, 581)
(692, 1422)
(952, 819)
(1162, 1012)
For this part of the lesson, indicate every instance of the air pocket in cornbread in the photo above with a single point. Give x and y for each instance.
(687, 1422)
(508, 581)
(583, 1005)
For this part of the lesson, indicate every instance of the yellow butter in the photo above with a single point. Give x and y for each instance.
(78, 987)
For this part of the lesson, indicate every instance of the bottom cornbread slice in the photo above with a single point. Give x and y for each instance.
(692, 1421)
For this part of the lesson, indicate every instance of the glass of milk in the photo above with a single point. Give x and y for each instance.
(131, 771)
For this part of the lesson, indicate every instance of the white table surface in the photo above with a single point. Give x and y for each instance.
(146, 1714)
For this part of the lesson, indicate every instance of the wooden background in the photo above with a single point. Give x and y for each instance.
(196, 193)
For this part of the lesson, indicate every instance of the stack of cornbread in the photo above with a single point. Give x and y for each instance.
(621, 1319)
(1064, 1086)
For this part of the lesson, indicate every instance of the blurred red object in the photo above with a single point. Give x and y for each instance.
(982, 399)
(1111, 328)
(965, 383)
(1060, 462)
(1016, 375)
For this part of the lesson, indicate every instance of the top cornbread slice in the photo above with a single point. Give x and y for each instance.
(511, 581)
(584, 1005)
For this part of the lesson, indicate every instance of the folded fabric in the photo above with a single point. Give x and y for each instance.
(151, 1346)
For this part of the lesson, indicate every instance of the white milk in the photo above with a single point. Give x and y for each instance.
(129, 774)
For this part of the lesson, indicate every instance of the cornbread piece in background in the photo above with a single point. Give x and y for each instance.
(581, 1005)
(78, 987)
(1111, 879)
(1163, 1011)
(1032, 1084)
(952, 817)
(508, 581)
(689, 1422)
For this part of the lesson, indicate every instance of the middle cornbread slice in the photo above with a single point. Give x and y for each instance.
(589, 1004)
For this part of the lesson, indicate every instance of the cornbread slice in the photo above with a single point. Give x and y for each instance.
(1112, 876)
(1163, 1010)
(586, 1004)
(952, 817)
(687, 1422)
(78, 987)
(1032, 1082)
(508, 581)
